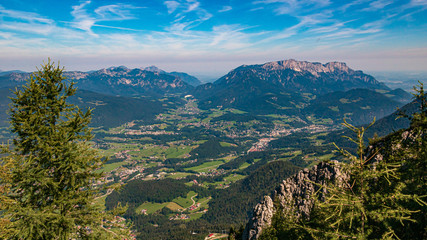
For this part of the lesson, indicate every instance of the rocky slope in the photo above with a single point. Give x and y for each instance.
(293, 193)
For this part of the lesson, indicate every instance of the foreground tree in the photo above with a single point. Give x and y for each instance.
(51, 164)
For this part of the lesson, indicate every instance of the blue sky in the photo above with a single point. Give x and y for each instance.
(213, 37)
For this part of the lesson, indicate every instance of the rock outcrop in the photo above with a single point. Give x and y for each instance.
(261, 218)
(294, 193)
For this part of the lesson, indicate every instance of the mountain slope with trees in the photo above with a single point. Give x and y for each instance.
(381, 193)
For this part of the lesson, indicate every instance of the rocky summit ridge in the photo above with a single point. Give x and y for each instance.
(310, 77)
(314, 68)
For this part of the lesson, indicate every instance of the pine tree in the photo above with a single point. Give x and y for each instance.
(384, 196)
(5, 200)
(52, 174)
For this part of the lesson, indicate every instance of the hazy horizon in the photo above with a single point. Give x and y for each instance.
(210, 38)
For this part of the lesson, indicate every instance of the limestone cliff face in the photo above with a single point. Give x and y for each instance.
(314, 68)
(293, 193)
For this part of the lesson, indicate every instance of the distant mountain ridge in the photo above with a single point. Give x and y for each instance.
(279, 86)
(184, 76)
(120, 80)
(290, 87)
(128, 82)
(309, 77)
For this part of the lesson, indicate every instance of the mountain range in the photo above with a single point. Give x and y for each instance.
(120, 80)
(290, 87)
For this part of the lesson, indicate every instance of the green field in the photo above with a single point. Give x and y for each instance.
(110, 167)
(234, 178)
(244, 165)
(226, 144)
(177, 151)
(194, 216)
(204, 202)
(151, 207)
(185, 202)
(206, 166)
(178, 175)
(173, 206)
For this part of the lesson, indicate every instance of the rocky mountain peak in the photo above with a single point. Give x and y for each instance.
(154, 69)
(314, 68)
(118, 69)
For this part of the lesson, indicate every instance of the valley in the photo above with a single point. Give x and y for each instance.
(196, 158)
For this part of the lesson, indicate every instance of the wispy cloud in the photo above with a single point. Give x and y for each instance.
(293, 7)
(378, 5)
(22, 15)
(25, 22)
(194, 32)
(84, 20)
(115, 12)
(188, 14)
(172, 6)
(418, 3)
(225, 9)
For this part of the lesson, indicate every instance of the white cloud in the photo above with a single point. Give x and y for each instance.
(294, 7)
(172, 6)
(419, 3)
(26, 22)
(188, 14)
(378, 5)
(115, 12)
(193, 6)
(225, 9)
(85, 21)
(82, 20)
(26, 16)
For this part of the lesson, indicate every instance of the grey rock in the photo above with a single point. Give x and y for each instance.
(294, 194)
(262, 217)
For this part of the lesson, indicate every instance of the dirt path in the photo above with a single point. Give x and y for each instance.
(192, 199)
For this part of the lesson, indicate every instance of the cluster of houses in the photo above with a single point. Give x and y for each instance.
(261, 145)
(178, 216)
(212, 173)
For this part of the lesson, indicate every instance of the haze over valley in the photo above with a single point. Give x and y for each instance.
(214, 119)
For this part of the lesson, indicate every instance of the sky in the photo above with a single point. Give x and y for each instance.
(210, 38)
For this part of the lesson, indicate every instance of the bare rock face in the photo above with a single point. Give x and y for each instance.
(314, 68)
(294, 194)
(262, 217)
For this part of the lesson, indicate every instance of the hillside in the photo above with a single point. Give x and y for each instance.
(247, 92)
(108, 111)
(381, 127)
(111, 111)
(282, 87)
(358, 106)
